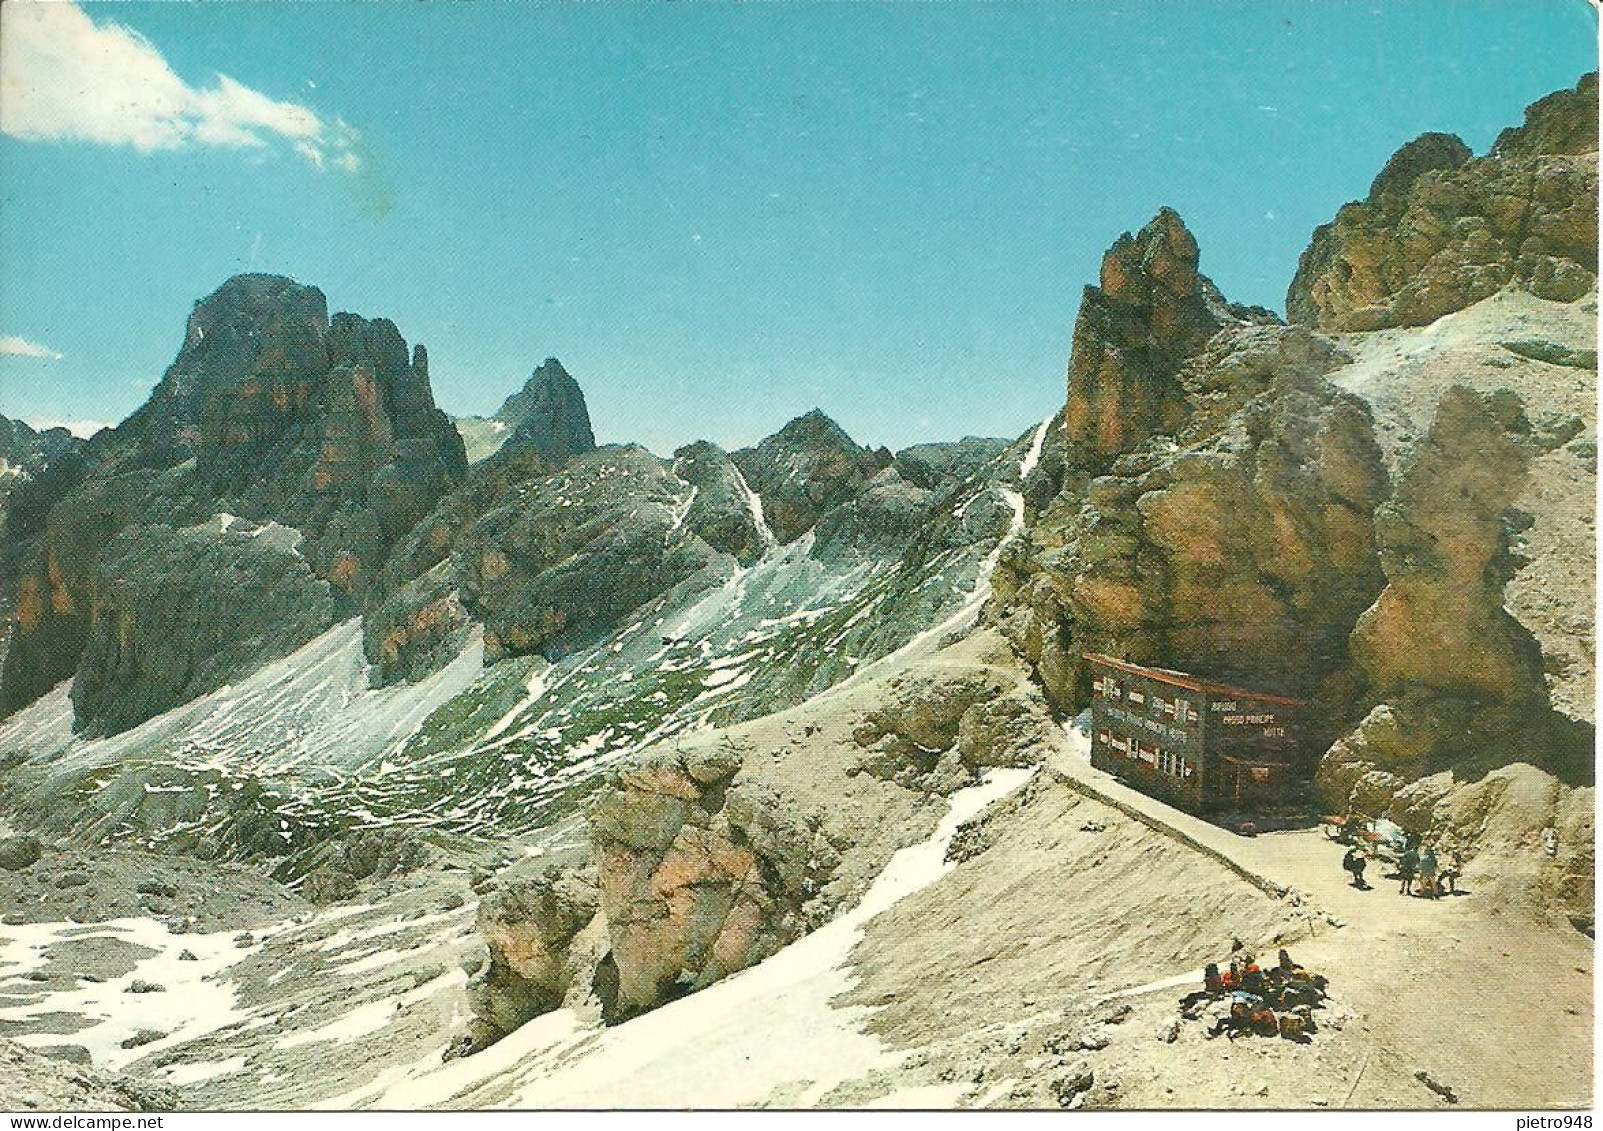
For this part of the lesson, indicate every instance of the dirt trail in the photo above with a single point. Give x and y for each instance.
(1435, 983)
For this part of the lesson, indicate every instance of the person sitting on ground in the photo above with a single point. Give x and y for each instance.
(1355, 863)
(1252, 979)
(1407, 865)
(1427, 873)
(1211, 980)
(1452, 868)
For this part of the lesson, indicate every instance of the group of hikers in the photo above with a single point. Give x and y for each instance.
(1277, 1001)
(1435, 875)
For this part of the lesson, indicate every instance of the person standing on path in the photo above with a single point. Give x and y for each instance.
(1407, 865)
(1427, 873)
(1452, 869)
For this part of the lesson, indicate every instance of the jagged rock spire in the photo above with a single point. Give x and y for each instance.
(1150, 312)
(548, 415)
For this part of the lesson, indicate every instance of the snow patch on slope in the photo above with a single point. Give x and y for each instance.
(769, 1027)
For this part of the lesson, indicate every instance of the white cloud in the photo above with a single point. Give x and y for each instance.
(13, 346)
(63, 77)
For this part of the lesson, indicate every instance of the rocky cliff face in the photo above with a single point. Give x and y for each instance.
(1150, 311)
(724, 510)
(177, 613)
(528, 568)
(1440, 229)
(804, 469)
(1242, 549)
(34, 467)
(1459, 680)
(548, 415)
(1207, 504)
(271, 411)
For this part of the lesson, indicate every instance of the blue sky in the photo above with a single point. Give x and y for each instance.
(718, 216)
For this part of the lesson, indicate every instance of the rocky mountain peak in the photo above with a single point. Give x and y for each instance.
(1151, 310)
(1563, 122)
(24, 448)
(813, 427)
(1161, 257)
(548, 415)
(270, 411)
(1441, 230)
(263, 333)
(1426, 152)
(804, 469)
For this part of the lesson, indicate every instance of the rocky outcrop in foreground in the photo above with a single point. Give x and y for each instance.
(1440, 229)
(699, 877)
(30, 1081)
(528, 925)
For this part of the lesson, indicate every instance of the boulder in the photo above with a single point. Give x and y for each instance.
(528, 924)
(699, 877)
(1070, 1082)
(19, 852)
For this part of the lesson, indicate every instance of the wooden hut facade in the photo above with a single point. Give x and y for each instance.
(1198, 745)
